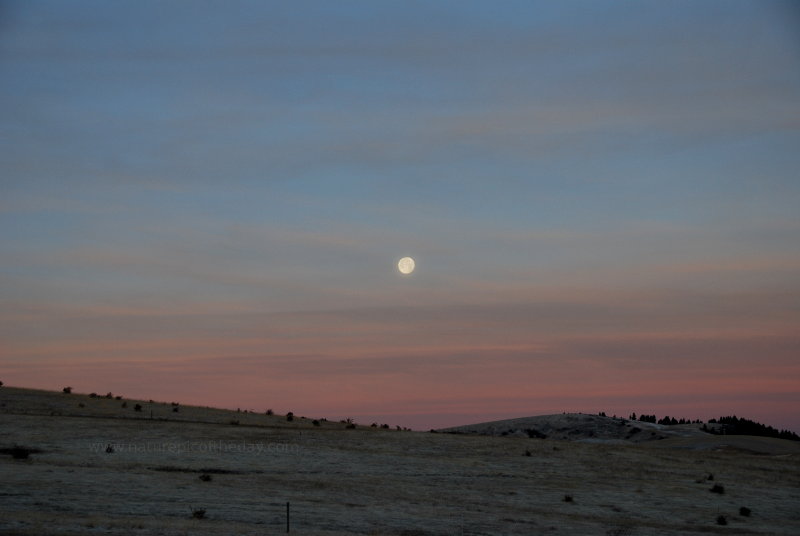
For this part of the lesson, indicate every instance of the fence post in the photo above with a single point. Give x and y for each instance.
(287, 516)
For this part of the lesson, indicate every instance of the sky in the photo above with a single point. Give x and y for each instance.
(205, 202)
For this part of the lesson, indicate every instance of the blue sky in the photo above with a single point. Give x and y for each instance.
(585, 166)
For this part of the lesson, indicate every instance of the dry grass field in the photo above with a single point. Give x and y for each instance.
(367, 480)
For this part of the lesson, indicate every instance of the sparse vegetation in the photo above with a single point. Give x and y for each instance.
(19, 452)
(535, 434)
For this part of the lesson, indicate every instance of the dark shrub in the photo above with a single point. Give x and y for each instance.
(20, 453)
(175, 409)
(118, 397)
(270, 412)
(235, 422)
(81, 405)
(137, 407)
(109, 396)
(205, 478)
(198, 514)
(567, 498)
(744, 511)
(350, 426)
(716, 488)
(66, 390)
(124, 404)
(527, 453)
(721, 520)
(290, 416)
(92, 395)
(315, 422)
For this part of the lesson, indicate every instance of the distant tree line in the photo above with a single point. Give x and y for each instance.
(733, 425)
(664, 420)
(727, 425)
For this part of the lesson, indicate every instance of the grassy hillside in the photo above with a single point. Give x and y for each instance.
(360, 481)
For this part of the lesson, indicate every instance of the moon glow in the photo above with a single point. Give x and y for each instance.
(406, 265)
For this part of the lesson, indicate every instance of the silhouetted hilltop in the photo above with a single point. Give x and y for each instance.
(733, 425)
(723, 433)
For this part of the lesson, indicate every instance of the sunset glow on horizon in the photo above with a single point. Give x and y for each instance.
(212, 203)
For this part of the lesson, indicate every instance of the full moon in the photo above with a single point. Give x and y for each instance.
(406, 265)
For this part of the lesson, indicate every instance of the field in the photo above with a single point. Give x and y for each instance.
(366, 480)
